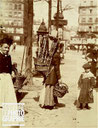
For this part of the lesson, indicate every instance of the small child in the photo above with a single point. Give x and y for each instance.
(86, 84)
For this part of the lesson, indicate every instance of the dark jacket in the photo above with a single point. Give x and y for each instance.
(5, 64)
(54, 73)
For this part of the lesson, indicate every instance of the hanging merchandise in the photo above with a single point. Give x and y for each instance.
(45, 50)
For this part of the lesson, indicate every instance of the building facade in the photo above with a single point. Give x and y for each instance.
(11, 18)
(88, 17)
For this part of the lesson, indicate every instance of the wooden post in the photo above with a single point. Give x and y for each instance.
(97, 69)
(49, 15)
(28, 32)
(57, 17)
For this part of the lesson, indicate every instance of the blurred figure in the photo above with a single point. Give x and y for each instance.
(14, 46)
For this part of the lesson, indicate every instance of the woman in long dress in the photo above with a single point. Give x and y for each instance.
(50, 101)
(7, 92)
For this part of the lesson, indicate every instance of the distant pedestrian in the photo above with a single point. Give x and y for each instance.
(84, 52)
(86, 84)
(14, 46)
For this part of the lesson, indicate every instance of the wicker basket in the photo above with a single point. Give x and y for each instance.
(41, 66)
(19, 81)
(60, 90)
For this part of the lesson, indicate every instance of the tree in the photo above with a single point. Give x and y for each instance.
(28, 32)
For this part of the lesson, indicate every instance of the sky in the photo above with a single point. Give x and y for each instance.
(41, 11)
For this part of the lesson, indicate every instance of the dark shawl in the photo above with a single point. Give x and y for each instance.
(54, 74)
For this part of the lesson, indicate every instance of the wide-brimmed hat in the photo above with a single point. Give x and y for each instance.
(87, 66)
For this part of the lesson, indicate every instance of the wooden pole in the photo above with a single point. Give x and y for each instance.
(28, 32)
(49, 15)
(57, 17)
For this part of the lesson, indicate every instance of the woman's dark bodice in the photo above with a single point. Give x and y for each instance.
(54, 74)
(5, 64)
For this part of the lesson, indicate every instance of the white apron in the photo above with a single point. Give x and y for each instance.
(7, 93)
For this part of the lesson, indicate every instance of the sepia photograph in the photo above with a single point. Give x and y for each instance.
(48, 64)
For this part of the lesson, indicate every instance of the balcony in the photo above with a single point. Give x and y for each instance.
(87, 31)
(86, 23)
(86, 6)
(12, 26)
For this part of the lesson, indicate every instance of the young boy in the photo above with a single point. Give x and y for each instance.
(86, 83)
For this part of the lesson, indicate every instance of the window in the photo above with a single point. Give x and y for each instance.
(90, 20)
(15, 6)
(10, 30)
(83, 10)
(17, 38)
(91, 11)
(10, 6)
(83, 20)
(19, 30)
(19, 6)
(10, 14)
(15, 14)
(6, 22)
(12, 23)
(15, 22)
(96, 20)
(20, 23)
(19, 14)
(96, 28)
(91, 3)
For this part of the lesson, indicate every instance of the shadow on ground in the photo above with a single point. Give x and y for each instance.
(36, 99)
(20, 95)
(59, 105)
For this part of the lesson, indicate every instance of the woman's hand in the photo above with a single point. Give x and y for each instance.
(91, 89)
(60, 80)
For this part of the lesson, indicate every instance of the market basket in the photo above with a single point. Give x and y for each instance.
(18, 83)
(60, 90)
(40, 65)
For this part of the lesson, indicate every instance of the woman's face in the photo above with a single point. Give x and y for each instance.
(5, 48)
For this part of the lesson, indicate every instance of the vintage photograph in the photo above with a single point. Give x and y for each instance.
(48, 64)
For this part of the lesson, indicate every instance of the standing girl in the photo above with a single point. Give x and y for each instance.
(86, 83)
